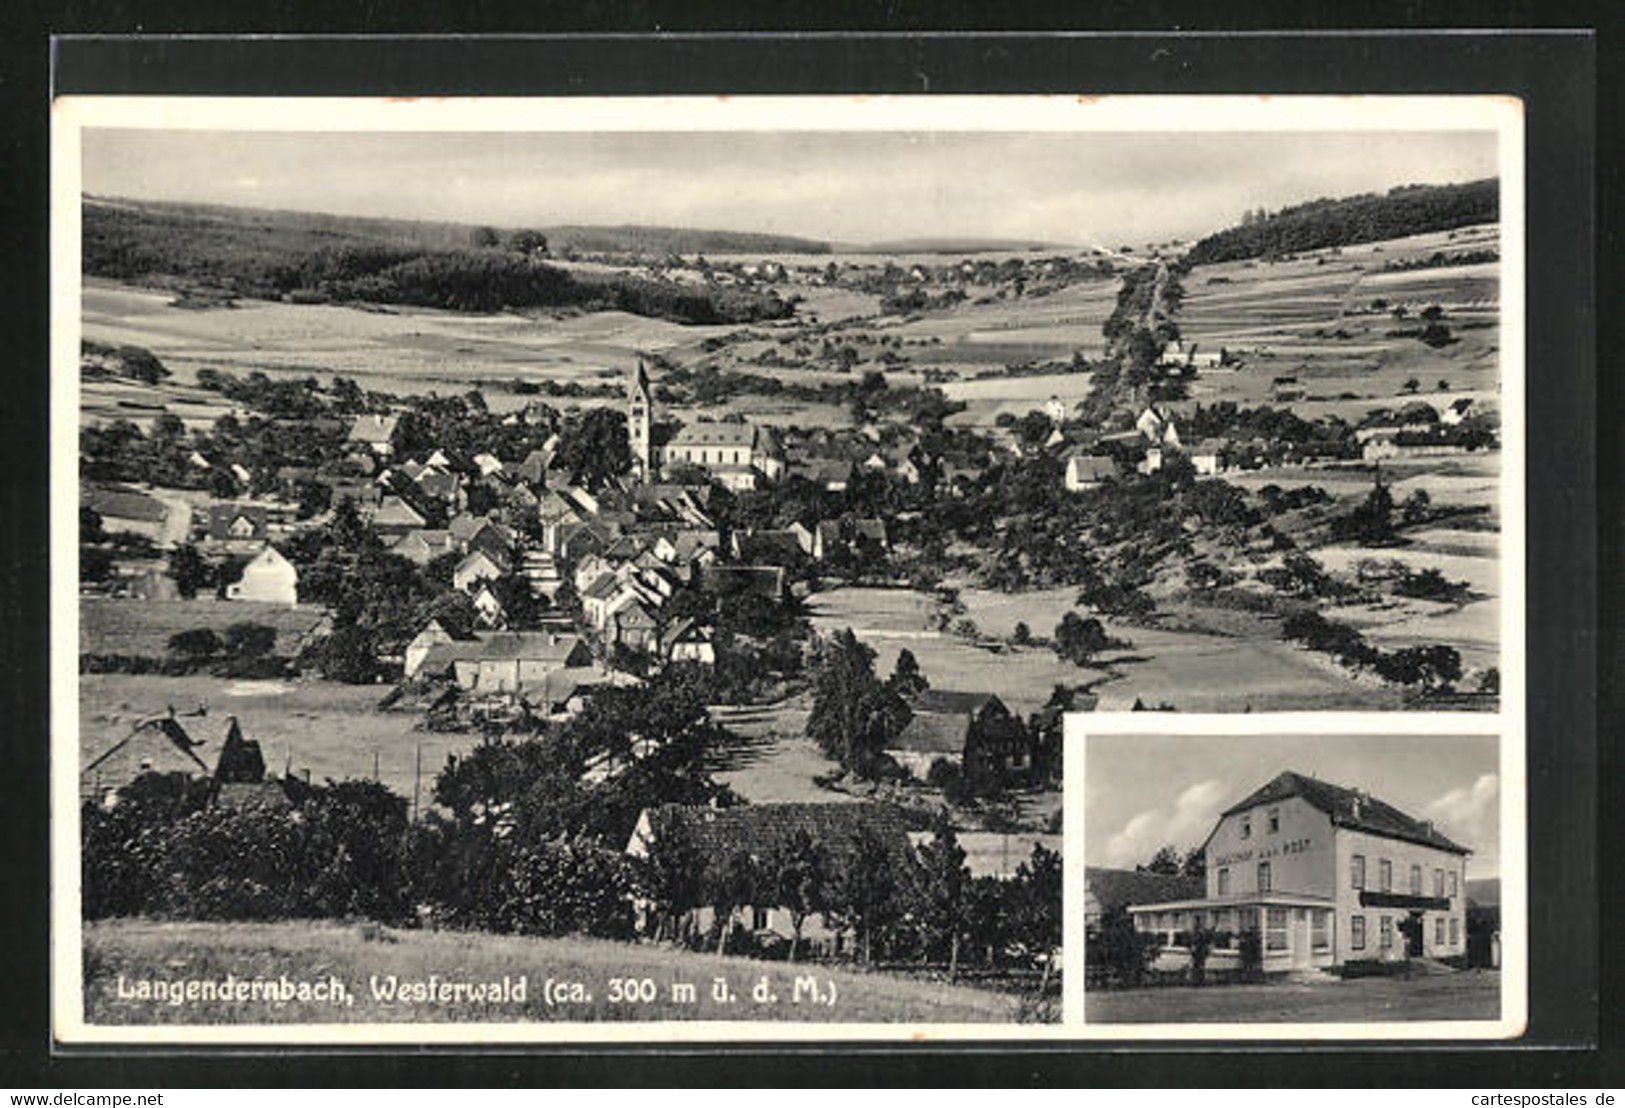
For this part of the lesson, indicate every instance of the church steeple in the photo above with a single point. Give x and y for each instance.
(639, 415)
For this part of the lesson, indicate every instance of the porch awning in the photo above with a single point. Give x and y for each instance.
(1369, 899)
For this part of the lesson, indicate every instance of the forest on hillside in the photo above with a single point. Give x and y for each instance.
(1372, 217)
(261, 255)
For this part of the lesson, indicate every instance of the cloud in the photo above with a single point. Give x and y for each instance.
(246, 182)
(1184, 823)
(1469, 814)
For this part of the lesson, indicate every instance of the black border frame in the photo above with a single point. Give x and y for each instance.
(1552, 72)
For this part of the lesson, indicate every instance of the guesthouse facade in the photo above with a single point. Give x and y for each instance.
(1326, 875)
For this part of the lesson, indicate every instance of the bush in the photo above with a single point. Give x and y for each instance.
(200, 642)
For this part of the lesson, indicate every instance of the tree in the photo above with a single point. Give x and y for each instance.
(1412, 384)
(190, 571)
(943, 878)
(1078, 640)
(90, 525)
(528, 242)
(250, 640)
(673, 877)
(593, 447)
(1166, 861)
(1200, 944)
(906, 680)
(350, 655)
(853, 714)
(483, 238)
(1195, 864)
(732, 885)
(795, 873)
(862, 890)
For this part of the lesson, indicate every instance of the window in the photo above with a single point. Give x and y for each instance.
(1246, 827)
(1224, 880)
(1321, 933)
(1263, 877)
(1275, 929)
(1275, 820)
(758, 919)
(1357, 932)
(1385, 876)
(1416, 880)
(1455, 931)
(1438, 882)
(1387, 925)
(1452, 882)
(1438, 931)
(1357, 871)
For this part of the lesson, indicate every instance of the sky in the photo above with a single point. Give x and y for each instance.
(1142, 792)
(848, 187)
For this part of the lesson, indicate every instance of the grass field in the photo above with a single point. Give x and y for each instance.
(1194, 671)
(121, 626)
(359, 956)
(327, 729)
(1468, 995)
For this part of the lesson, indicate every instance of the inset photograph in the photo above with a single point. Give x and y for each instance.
(1288, 878)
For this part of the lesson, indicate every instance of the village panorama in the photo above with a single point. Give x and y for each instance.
(631, 604)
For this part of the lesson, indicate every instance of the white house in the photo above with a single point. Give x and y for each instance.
(268, 577)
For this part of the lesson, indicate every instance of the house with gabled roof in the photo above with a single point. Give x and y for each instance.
(268, 578)
(1087, 471)
(423, 546)
(395, 516)
(970, 730)
(375, 432)
(717, 836)
(476, 566)
(128, 511)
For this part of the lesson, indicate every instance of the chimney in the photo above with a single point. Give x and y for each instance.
(1359, 802)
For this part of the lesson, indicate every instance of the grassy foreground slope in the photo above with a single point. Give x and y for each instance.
(356, 955)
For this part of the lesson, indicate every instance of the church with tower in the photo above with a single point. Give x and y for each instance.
(639, 416)
(736, 454)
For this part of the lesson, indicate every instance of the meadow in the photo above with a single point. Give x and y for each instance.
(358, 955)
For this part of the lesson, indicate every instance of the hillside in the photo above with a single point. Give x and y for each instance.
(143, 949)
(334, 259)
(1319, 224)
(660, 241)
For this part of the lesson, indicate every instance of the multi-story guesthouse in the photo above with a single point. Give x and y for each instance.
(1326, 875)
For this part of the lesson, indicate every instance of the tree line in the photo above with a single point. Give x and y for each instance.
(1324, 223)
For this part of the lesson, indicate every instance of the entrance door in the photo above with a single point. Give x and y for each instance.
(1300, 938)
(1413, 935)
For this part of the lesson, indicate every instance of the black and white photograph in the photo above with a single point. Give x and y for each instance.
(1293, 878)
(631, 562)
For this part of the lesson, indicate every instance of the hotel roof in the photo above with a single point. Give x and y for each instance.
(1348, 808)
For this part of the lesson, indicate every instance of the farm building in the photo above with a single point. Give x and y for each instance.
(268, 577)
(502, 662)
(375, 432)
(688, 640)
(832, 536)
(971, 730)
(1085, 471)
(718, 835)
(129, 512)
(1326, 875)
